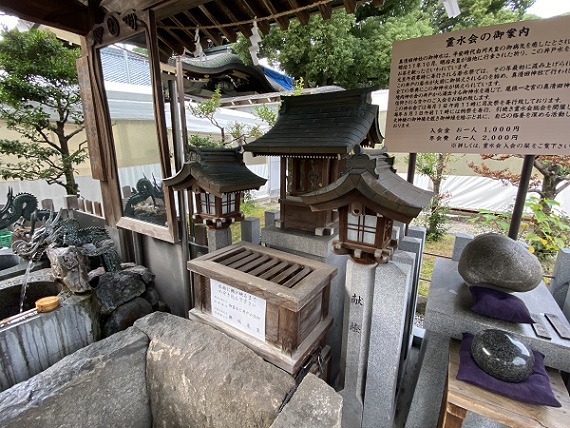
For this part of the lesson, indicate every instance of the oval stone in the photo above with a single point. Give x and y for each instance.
(502, 355)
(499, 261)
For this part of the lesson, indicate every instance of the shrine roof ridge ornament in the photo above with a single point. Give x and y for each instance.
(321, 125)
(217, 170)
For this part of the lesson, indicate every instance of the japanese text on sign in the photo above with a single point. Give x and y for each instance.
(500, 89)
(239, 309)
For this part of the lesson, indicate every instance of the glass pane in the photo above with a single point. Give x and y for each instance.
(127, 80)
(369, 238)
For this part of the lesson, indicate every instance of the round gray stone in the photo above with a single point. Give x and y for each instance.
(499, 261)
(502, 355)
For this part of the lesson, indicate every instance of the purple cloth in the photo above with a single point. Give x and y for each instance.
(535, 390)
(499, 305)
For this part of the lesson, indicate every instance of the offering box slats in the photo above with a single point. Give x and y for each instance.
(293, 290)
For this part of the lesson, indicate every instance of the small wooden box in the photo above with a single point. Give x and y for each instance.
(232, 285)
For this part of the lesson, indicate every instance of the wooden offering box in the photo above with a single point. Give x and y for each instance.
(273, 302)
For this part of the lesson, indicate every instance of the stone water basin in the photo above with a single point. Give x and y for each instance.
(31, 345)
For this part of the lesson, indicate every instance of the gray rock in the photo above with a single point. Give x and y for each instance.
(199, 377)
(125, 316)
(162, 307)
(116, 288)
(151, 296)
(502, 355)
(143, 272)
(314, 404)
(70, 267)
(501, 262)
(101, 385)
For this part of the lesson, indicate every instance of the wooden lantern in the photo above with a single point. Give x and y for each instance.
(369, 197)
(217, 178)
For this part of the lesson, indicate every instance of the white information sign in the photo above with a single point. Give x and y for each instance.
(239, 309)
(503, 89)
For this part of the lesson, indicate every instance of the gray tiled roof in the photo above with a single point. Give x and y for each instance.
(123, 66)
(328, 124)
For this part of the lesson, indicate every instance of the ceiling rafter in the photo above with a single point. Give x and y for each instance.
(302, 15)
(212, 35)
(245, 29)
(282, 21)
(326, 10)
(228, 32)
(174, 35)
(349, 5)
(252, 13)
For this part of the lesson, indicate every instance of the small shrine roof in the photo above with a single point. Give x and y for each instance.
(328, 124)
(373, 181)
(216, 171)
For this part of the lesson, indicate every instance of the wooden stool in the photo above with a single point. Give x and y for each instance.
(459, 397)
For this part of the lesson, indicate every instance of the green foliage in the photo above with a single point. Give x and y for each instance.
(476, 13)
(200, 141)
(435, 166)
(39, 99)
(239, 132)
(248, 204)
(437, 218)
(266, 114)
(544, 233)
(355, 50)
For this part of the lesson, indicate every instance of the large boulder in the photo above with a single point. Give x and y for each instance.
(315, 404)
(499, 261)
(200, 377)
(101, 385)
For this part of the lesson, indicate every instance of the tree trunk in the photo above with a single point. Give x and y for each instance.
(71, 186)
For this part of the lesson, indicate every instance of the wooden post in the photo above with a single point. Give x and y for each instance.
(521, 196)
(71, 202)
(98, 209)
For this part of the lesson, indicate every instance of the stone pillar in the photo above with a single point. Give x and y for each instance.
(251, 230)
(429, 387)
(461, 240)
(271, 216)
(392, 288)
(559, 284)
(355, 339)
(219, 238)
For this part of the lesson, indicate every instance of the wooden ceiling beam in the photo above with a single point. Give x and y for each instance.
(211, 34)
(166, 40)
(226, 31)
(303, 15)
(282, 21)
(349, 5)
(245, 29)
(181, 42)
(326, 10)
(251, 11)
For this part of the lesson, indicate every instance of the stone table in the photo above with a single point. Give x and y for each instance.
(448, 313)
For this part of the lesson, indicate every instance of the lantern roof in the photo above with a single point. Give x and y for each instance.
(372, 180)
(217, 171)
(321, 125)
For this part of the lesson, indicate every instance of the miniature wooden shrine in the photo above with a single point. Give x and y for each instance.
(274, 302)
(218, 178)
(313, 135)
(369, 196)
